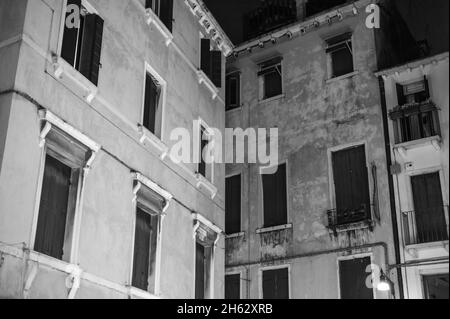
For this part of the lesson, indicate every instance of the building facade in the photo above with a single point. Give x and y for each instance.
(92, 202)
(417, 107)
(321, 226)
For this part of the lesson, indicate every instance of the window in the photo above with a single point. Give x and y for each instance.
(351, 185)
(205, 167)
(353, 275)
(152, 105)
(416, 117)
(211, 62)
(275, 284)
(340, 54)
(275, 198)
(428, 222)
(82, 44)
(163, 9)
(436, 287)
(270, 74)
(67, 158)
(233, 287)
(233, 205)
(151, 203)
(233, 88)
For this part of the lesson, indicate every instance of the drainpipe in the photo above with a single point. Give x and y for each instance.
(391, 184)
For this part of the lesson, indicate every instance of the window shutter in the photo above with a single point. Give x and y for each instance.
(200, 272)
(233, 205)
(276, 284)
(353, 277)
(216, 68)
(166, 13)
(150, 103)
(69, 44)
(52, 218)
(203, 144)
(427, 88)
(91, 47)
(400, 95)
(233, 287)
(205, 63)
(232, 91)
(141, 250)
(275, 198)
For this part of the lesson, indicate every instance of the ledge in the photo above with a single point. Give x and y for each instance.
(366, 224)
(274, 228)
(207, 185)
(236, 235)
(69, 76)
(160, 148)
(152, 18)
(271, 99)
(204, 79)
(403, 148)
(138, 293)
(234, 110)
(342, 77)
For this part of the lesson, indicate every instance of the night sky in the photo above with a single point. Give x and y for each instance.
(426, 19)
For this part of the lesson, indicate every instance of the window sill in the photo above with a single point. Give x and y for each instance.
(415, 250)
(160, 148)
(236, 235)
(271, 99)
(142, 294)
(274, 229)
(366, 224)
(204, 79)
(152, 18)
(342, 77)
(234, 110)
(207, 185)
(434, 141)
(69, 76)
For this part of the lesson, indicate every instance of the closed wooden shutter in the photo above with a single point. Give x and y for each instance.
(205, 56)
(151, 103)
(52, 218)
(91, 47)
(276, 284)
(233, 205)
(353, 278)
(200, 272)
(232, 91)
(275, 198)
(216, 68)
(430, 220)
(351, 182)
(166, 13)
(141, 250)
(203, 144)
(233, 287)
(70, 36)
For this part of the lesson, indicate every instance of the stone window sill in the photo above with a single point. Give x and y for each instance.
(236, 235)
(152, 18)
(204, 79)
(434, 141)
(202, 182)
(271, 99)
(71, 78)
(342, 77)
(158, 146)
(366, 224)
(142, 294)
(274, 229)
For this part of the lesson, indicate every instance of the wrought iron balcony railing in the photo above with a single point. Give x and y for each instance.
(425, 226)
(342, 217)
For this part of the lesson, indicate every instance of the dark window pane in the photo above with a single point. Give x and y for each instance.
(275, 198)
(436, 287)
(353, 277)
(203, 144)
(342, 61)
(166, 13)
(276, 284)
(141, 261)
(200, 272)
(273, 83)
(233, 204)
(233, 286)
(152, 95)
(52, 218)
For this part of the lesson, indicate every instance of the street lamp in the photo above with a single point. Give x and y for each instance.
(385, 284)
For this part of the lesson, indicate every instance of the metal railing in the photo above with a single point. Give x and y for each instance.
(341, 217)
(425, 226)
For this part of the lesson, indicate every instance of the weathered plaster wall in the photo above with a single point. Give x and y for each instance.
(314, 116)
(105, 246)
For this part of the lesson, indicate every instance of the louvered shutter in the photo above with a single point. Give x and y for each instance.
(166, 13)
(353, 277)
(199, 272)
(52, 218)
(151, 103)
(91, 47)
(205, 63)
(400, 95)
(216, 68)
(69, 44)
(233, 205)
(141, 250)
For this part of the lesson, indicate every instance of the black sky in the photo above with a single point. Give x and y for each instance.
(427, 19)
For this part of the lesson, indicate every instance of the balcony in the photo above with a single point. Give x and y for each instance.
(345, 219)
(425, 226)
